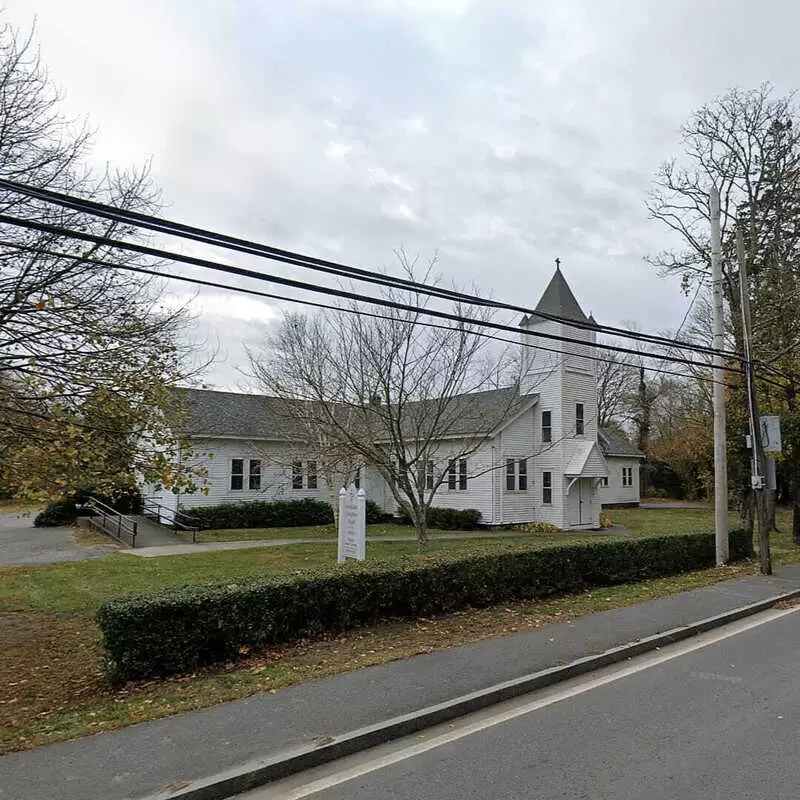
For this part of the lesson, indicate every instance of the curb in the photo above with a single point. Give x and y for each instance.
(258, 772)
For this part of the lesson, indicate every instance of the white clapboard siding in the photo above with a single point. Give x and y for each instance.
(517, 441)
(562, 379)
(615, 492)
(215, 456)
(478, 493)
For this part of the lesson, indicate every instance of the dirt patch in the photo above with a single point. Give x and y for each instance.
(48, 662)
(8, 506)
(89, 537)
(784, 605)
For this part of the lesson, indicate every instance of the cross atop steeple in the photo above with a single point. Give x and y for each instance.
(558, 263)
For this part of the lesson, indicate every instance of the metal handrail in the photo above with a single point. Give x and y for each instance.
(180, 519)
(112, 522)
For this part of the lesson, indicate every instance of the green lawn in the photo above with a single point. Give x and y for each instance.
(306, 532)
(297, 532)
(666, 521)
(640, 521)
(80, 586)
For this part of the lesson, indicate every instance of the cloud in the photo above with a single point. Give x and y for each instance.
(497, 134)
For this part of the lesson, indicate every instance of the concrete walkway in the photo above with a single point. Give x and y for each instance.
(150, 534)
(144, 759)
(185, 548)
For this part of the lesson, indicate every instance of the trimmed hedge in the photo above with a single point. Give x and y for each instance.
(73, 505)
(447, 519)
(61, 512)
(180, 629)
(376, 514)
(263, 514)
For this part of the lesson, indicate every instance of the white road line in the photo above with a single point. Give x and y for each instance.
(579, 686)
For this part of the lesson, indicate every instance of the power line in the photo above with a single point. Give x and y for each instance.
(182, 230)
(688, 310)
(315, 304)
(106, 241)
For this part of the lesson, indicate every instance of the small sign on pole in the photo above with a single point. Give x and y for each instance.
(352, 524)
(771, 434)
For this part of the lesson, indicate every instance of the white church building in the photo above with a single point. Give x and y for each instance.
(545, 461)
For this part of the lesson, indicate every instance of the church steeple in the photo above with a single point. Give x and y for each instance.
(558, 299)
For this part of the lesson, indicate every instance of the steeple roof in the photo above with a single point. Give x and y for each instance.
(559, 301)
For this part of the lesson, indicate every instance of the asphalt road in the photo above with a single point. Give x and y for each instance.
(720, 721)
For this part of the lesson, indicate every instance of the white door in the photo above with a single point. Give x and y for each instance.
(576, 502)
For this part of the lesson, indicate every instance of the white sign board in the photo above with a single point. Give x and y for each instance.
(771, 434)
(352, 524)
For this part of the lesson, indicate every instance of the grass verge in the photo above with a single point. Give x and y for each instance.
(305, 532)
(638, 521)
(79, 587)
(65, 696)
(22, 506)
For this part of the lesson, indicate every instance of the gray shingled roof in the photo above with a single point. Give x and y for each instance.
(214, 413)
(613, 443)
(470, 414)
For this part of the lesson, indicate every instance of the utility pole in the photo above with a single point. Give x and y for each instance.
(644, 428)
(718, 343)
(759, 461)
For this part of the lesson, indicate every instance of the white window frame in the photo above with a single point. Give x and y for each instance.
(580, 419)
(251, 473)
(518, 474)
(547, 488)
(237, 474)
(463, 475)
(627, 477)
(548, 427)
(457, 475)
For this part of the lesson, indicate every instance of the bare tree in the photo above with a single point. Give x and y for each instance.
(405, 397)
(615, 375)
(730, 143)
(747, 143)
(71, 331)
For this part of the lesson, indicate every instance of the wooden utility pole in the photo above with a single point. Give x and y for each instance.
(643, 442)
(718, 395)
(759, 460)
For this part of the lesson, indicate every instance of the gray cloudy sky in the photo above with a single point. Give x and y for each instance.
(500, 134)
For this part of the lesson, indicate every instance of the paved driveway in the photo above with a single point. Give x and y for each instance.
(21, 543)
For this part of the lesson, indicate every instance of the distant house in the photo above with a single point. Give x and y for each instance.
(621, 488)
(542, 457)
